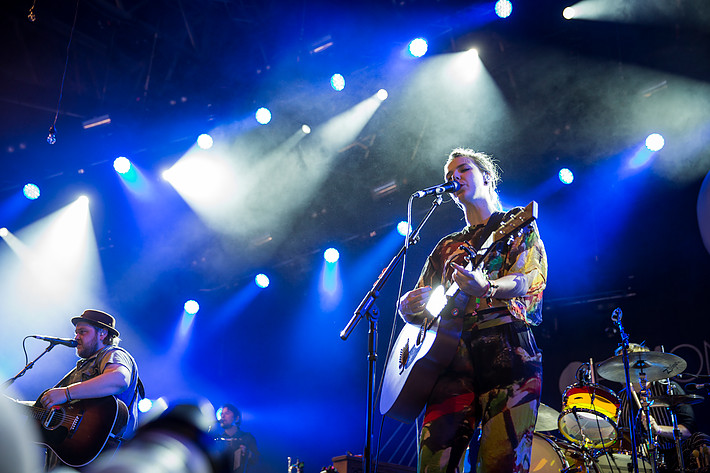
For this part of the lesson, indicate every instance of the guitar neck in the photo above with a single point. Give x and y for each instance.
(53, 416)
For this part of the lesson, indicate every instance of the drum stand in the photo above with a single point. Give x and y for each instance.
(676, 432)
(616, 318)
(646, 413)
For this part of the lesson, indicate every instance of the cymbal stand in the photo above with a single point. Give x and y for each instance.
(646, 413)
(676, 431)
(616, 318)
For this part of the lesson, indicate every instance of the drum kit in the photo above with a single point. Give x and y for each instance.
(585, 436)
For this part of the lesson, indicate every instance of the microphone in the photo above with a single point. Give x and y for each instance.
(67, 342)
(449, 186)
(616, 315)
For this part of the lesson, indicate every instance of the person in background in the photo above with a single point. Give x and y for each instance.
(239, 446)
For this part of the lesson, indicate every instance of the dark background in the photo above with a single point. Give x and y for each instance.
(581, 94)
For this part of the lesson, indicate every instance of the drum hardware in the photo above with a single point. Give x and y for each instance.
(619, 367)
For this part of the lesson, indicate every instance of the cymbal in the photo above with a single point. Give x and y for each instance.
(546, 419)
(676, 400)
(655, 364)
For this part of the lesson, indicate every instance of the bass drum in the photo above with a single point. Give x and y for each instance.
(549, 456)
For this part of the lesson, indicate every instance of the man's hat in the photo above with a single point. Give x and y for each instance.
(99, 319)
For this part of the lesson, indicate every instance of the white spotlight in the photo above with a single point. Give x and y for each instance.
(205, 141)
(83, 200)
(122, 165)
(655, 142)
(382, 95)
(4, 232)
(263, 115)
(305, 129)
(503, 8)
(568, 13)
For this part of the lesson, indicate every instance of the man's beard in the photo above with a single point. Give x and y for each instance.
(88, 350)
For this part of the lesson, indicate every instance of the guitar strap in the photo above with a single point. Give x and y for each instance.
(139, 390)
(492, 225)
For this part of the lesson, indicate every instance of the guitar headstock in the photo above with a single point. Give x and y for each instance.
(515, 222)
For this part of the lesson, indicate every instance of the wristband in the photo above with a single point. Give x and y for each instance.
(66, 392)
(491, 289)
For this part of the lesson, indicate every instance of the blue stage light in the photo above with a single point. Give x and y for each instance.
(191, 307)
(205, 141)
(403, 227)
(122, 165)
(418, 47)
(337, 82)
(31, 191)
(503, 8)
(263, 115)
(566, 176)
(331, 255)
(655, 142)
(262, 280)
(144, 405)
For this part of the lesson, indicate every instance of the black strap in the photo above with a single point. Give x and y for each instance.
(491, 226)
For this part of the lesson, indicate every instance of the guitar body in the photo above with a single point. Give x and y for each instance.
(77, 432)
(421, 353)
(416, 361)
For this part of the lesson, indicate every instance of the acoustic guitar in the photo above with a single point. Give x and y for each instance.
(423, 351)
(79, 430)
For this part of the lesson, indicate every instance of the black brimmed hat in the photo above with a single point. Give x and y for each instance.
(99, 319)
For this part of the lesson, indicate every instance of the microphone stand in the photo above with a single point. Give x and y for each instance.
(367, 307)
(29, 366)
(616, 318)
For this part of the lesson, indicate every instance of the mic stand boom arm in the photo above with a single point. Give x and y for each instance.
(367, 307)
(29, 366)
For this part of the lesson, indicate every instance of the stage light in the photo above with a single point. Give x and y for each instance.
(568, 13)
(503, 8)
(4, 232)
(144, 405)
(337, 82)
(122, 165)
(83, 200)
(263, 115)
(418, 47)
(305, 129)
(31, 191)
(96, 121)
(331, 255)
(191, 307)
(382, 95)
(205, 141)
(403, 228)
(262, 280)
(566, 176)
(655, 142)
(167, 175)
